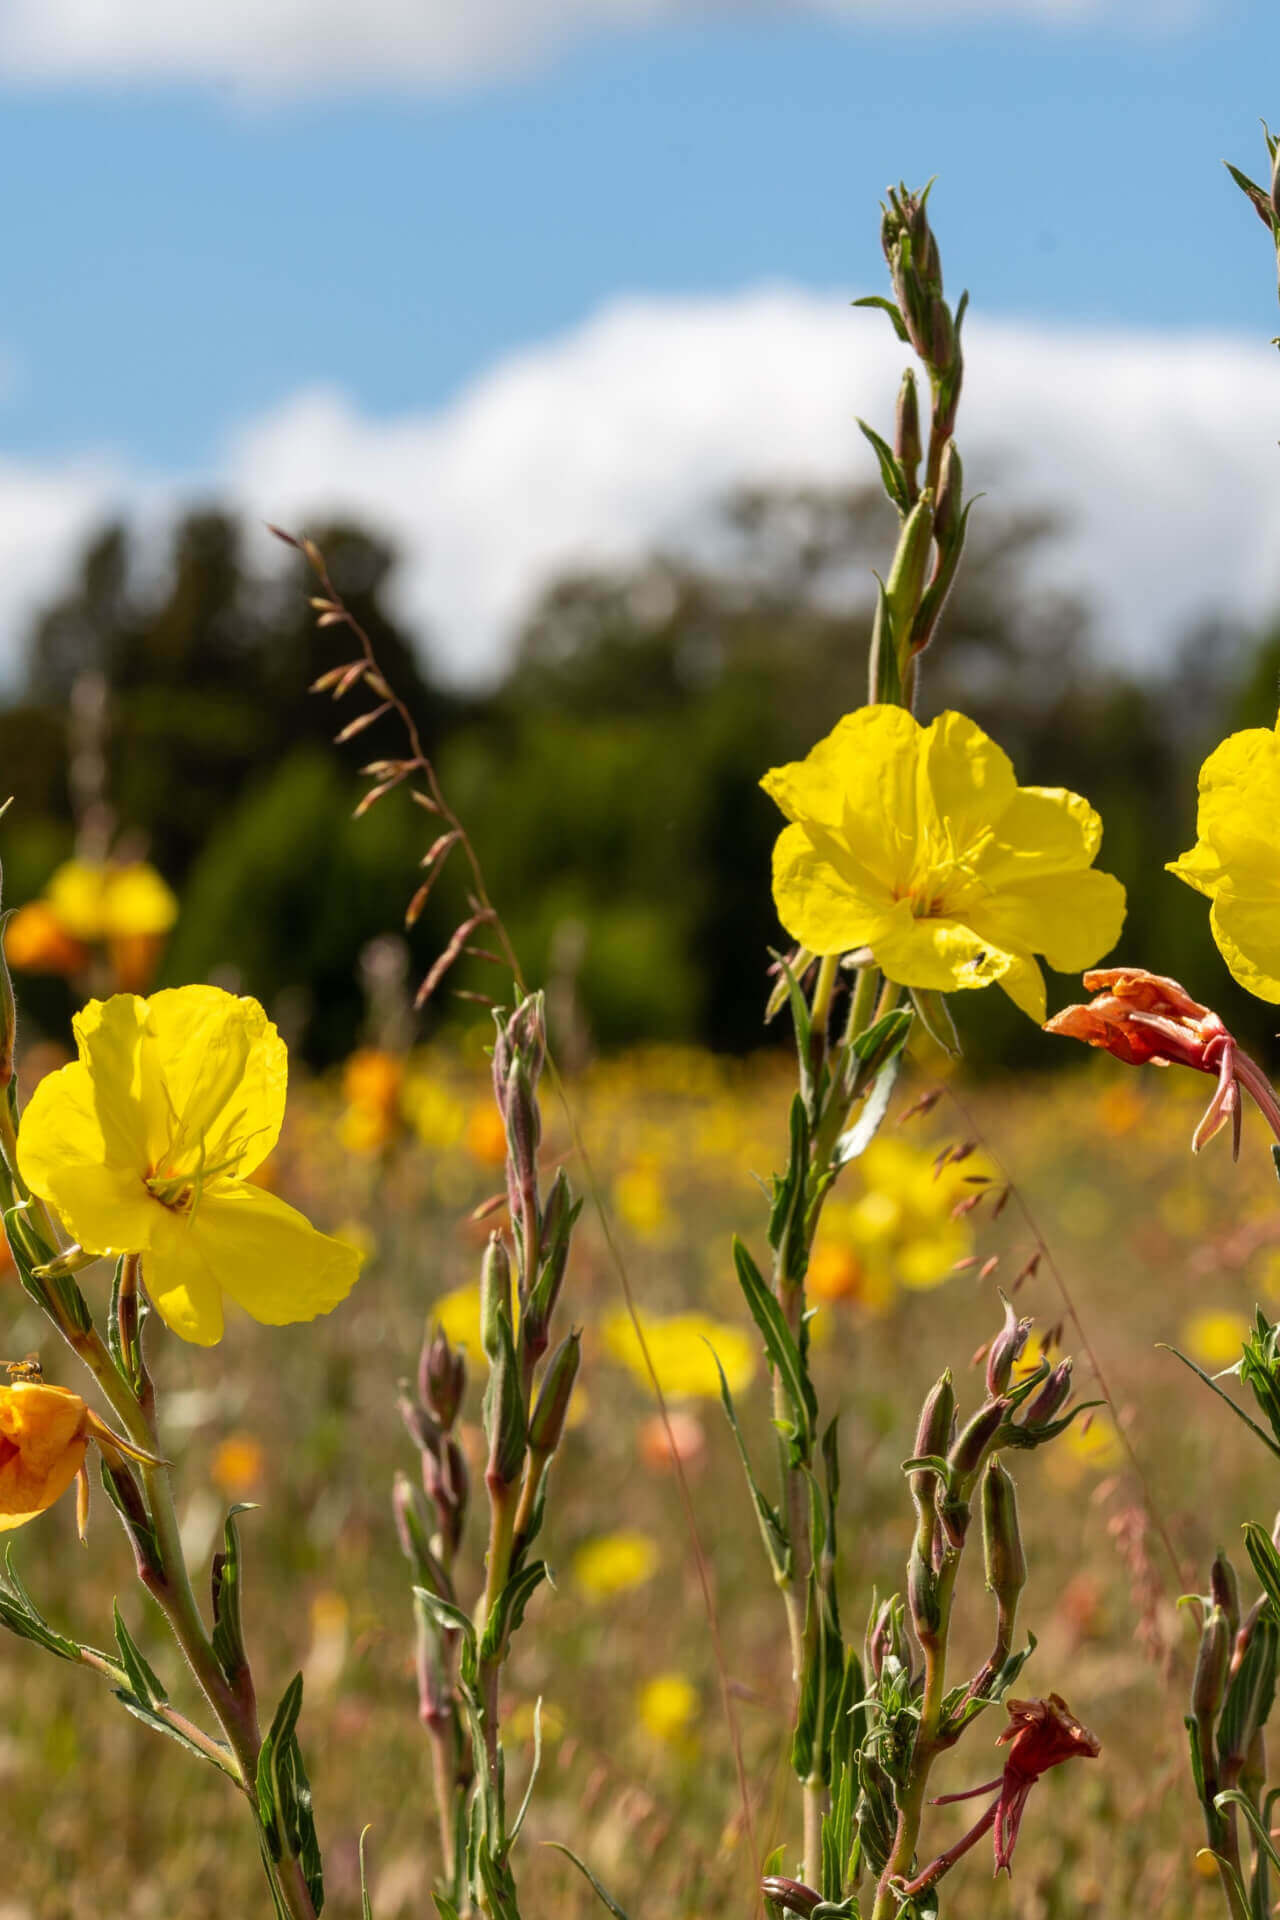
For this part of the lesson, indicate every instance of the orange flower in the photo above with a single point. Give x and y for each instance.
(37, 942)
(1146, 1019)
(44, 1431)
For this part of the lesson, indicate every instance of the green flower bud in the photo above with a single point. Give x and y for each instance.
(922, 1596)
(967, 1454)
(947, 519)
(907, 444)
(1005, 1561)
(504, 1414)
(1210, 1679)
(1224, 1590)
(554, 1395)
(495, 1297)
(910, 566)
(933, 1435)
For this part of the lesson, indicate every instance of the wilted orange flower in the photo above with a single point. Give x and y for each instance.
(1040, 1734)
(43, 1435)
(1146, 1019)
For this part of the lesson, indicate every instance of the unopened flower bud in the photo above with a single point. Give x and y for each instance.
(967, 1454)
(554, 1395)
(933, 1435)
(950, 507)
(922, 1596)
(558, 1217)
(910, 567)
(1051, 1397)
(1224, 1590)
(504, 1416)
(793, 1896)
(1005, 1350)
(943, 345)
(1005, 1561)
(1210, 1679)
(906, 442)
(887, 1639)
(442, 1377)
(495, 1297)
(521, 1036)
(1251, 1689)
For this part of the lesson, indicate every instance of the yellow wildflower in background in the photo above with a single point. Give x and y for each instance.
(145, 1144)
(111, 902)
(238, 1465)
(667, 1707)
(680, 1348)
(43, 1436)
(1216, 1339)
(614, 1563)
(918, 843)
(1236, 858)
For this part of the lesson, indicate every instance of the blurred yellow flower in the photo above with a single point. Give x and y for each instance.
(1268, 1273)
(614, 1563)
(1095, 1441)
(35, 941)
(237, 1465)
(458, 1312)
(1120, 1108)
(1234, 859)
(640, 1199)
(144, 1144)
(110, 902)
(371, 1084)
(666, 1708)
(919, 843)
(679, 1348)
(1215, 1339)
(43, 1435)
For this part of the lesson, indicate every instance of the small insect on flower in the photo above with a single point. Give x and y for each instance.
(919, 844)
(145, 1144)
(1040, 1734)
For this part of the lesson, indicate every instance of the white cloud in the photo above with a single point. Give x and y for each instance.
(273, 46)
(1160, 449)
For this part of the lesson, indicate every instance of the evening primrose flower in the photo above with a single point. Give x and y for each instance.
(145, 1143)
(919, 844)
(44, 1432)
(614, 1563)
(1234, 859)
(684, 1348)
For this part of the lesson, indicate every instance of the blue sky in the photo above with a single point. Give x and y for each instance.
(179, 257)
(523, 282)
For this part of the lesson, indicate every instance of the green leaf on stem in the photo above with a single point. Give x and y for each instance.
(781, 1349)
(1213, 1386)
(18, 1612)
(606, 1899)
(509, 1608)
(158, 1724)
(514, 1835)
(284, 1794)
(878, 300)
(776, 1544)
(142, 1677)
(935, 1018)
(855, 1140)
(1266, 1561)
(891, 474)
(446, 1615)
(228, 1635)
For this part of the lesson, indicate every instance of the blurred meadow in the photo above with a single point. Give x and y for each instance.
(563, 433)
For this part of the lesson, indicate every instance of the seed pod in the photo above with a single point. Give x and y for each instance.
(1224, 1590)
(910, 564)
(495, 1297)
(947, 518)
(551, 1411)
(922, 1596)
(1005, 1561)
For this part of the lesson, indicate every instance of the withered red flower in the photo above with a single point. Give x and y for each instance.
(1146, 1019)
(1040, 1734)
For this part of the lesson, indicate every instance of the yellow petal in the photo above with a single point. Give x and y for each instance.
(860, 784)
(966, 782)
(825, 898)
(1200, 867)
(65, 1159)
(180, 1284)
(1248, 935)
(109, 1035)
(1071, 918)
(1239, 801)
(268, 1257)
(214, 1072)
(1043, 830)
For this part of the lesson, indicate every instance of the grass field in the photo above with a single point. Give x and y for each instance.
(638, 1769)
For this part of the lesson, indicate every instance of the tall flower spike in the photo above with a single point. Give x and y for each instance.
(1145, 1019)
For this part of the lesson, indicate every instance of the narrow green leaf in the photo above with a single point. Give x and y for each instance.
(935, 1018)
(142, 1677)
(158, 1724)
(1213, 1386)
(509, 1609)
(776, 1544)
(228, 1634)
(446, 1615)
(514, 1835)
(366, 1904)
(887, 306)
(855, 1140)
(605, 1899)
(891, 474)
(779, 1345)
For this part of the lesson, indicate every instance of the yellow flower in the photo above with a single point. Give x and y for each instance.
(112, 902)
(145, 1144)
(918, 843)
(1234, 858)
(613, 1563)
(36, 941)
(43, 1435)
(1216, 1339)
(680, 1348)
(238, 1465)
(666, 1707)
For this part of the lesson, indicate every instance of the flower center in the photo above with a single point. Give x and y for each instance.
(9, 1450)
(176, 1191)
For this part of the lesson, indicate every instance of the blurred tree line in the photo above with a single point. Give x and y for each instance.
(610, 782)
